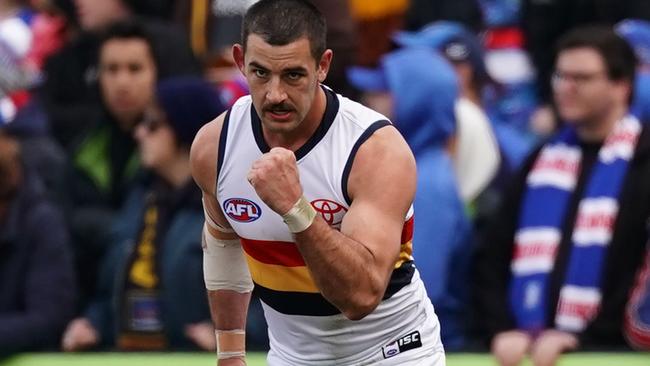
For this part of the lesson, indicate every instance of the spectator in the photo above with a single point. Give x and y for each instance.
(419, 89)
(476, 152)
(556, 270)
(103, 163)
(36, 273)
(70, 90)
(156, 298)
(545, 21)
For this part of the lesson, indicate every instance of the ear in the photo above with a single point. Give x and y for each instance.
(324, 65)
(238, 56)
(623, 90)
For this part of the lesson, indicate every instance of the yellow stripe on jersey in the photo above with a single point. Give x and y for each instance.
(405, 253)
(281, 278)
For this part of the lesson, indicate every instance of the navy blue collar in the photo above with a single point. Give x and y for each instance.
(331, 110)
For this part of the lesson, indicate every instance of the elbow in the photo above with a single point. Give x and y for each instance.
(357, 314)
(361, 306)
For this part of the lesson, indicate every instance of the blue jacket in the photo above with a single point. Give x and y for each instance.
(424, 88)
(184, 298)
(37, 289)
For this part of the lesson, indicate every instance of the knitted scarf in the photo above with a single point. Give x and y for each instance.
(549, 186)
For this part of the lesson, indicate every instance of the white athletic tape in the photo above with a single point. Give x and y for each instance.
(224, 265)
(300, 217)
(230, 343)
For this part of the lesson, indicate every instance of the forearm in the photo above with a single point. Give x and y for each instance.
(229, 309)
(344, 270)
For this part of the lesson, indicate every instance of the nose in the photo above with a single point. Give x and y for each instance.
(275, 93)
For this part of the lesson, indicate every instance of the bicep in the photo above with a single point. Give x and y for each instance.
(382, 187)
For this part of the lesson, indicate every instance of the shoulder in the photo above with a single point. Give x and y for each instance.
(382, 158)
(204, 154)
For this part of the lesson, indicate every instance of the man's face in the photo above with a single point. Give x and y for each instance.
(127, 77)
(97, 14)
(283, 80)
(581, 88)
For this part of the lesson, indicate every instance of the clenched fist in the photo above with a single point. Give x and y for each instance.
(276, 180)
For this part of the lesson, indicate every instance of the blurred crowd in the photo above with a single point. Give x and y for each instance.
(100, 221)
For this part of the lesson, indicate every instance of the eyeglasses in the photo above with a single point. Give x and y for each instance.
(576, 78)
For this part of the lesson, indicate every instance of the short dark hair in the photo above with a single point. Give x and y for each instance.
(618, 55)
(280, 22)
(129, 29)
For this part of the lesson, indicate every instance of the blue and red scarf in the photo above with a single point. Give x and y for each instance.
(550, 184)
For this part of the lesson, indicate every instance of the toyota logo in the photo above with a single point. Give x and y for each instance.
(332, 212)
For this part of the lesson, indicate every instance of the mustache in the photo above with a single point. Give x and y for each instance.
(280, 107)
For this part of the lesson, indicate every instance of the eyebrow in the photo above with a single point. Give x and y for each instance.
(256, 65)
(298, 69)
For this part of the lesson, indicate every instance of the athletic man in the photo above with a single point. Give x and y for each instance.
(310, 195)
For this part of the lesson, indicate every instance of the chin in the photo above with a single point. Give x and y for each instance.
(571, 116)
(280, 127)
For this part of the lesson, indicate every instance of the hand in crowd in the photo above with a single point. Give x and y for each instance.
(510, 348)
(202, 334)
(79, 335)
(550, 345)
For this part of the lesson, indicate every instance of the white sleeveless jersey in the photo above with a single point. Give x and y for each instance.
(304, 328)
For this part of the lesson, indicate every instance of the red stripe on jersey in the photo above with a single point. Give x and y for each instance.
(407, 231)
(282, 253)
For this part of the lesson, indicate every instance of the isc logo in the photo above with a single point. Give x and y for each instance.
(411, 338)
(403, 344)
(241, 209)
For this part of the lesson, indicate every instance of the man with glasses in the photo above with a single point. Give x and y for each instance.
(564, 251)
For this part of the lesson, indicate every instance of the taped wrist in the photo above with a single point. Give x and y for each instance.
(230, 343)
(224, 265)
(300, 216)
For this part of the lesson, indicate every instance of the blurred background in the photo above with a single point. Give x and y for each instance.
(100, 221)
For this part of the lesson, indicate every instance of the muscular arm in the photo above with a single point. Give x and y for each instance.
(352, 267)
(228, 308)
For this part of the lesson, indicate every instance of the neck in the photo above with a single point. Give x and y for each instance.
(295, 139)
(597, 129)
(177, 172)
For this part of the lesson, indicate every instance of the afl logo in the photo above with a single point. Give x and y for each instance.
(332, 212)
(241, 209)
